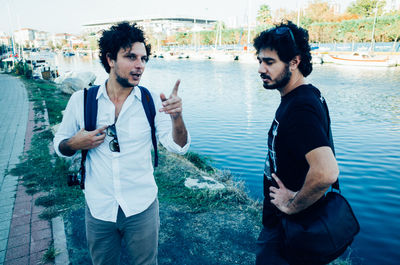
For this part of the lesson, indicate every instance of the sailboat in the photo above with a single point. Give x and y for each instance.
(218, 54)
(365, 59)
(247, 56)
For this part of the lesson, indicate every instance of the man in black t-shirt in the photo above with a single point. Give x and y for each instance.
(300, 164)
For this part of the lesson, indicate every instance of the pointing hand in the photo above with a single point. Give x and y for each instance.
(172, 105)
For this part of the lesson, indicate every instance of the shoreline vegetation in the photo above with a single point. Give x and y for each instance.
(198, 226)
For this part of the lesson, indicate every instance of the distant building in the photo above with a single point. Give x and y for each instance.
(41, 39)
(61, 39)
(168, 25)
(25, 37)
(4, 39)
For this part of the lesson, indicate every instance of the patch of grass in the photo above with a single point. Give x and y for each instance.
(31, 190)
(46, 201)
(50, 254)
(49, 213)
(174, 170)
(201, 162)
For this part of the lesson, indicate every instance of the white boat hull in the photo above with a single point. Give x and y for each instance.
(359, 61)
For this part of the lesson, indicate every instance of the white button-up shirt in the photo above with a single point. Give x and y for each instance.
(122, 178)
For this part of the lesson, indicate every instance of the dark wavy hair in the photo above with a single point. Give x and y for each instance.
(284, 45)
(122, 35)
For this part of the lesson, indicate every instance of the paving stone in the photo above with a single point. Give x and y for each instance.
(40, 245)
(18, 240)
(4, 234)
(3, 244)
(40, 234)
(4, 225)
(27, 205)
(40, 225)
(17, 252)
(5, 210)
(2, 256)
(20, 212)
(22, 220)
(6, 216)
(8, 188)
(35, 217)
(18, 261)
(19, 230)
(36, 258)
(23, 199)
(7, 202)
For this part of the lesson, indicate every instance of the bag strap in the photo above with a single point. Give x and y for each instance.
(330, 137)
(90, 118)
(150, 110)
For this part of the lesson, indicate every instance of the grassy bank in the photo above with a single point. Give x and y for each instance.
(43, 171)
(198, 226)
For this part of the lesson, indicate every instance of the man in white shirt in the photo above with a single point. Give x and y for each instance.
(120, 190)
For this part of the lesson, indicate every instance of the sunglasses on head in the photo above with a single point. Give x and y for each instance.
(112, 132)
(282, 31)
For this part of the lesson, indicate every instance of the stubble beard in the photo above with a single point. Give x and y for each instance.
(281, 81)
(124, 82)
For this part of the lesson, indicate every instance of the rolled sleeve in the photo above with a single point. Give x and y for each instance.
(71, 121)
(171, 146)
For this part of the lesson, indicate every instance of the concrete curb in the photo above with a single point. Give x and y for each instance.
(60, 241)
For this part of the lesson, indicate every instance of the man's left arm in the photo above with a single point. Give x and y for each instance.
(323, 172)
(173, 106)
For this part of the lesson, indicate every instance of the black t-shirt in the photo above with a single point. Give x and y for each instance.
(301, 124)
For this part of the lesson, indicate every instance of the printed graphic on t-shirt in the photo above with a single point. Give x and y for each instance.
(270, 161)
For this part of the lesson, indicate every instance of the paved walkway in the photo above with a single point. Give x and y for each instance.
(24, 237)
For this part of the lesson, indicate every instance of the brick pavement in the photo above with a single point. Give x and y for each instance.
(24, 237)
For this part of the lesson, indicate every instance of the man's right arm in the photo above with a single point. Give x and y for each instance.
(83, 140)
(69, 137)
(65, 149)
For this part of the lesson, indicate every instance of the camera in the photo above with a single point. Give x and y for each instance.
(74, 179)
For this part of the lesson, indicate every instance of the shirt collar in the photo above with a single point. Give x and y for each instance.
(102, 91)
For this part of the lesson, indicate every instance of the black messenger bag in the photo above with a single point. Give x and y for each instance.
(321, 233)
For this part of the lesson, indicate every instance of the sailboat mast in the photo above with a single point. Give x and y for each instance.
(373, 28)
(298, 13)
(248, 22)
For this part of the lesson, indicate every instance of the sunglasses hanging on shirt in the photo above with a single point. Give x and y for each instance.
(112, 132)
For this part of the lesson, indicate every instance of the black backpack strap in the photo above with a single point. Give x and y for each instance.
(90, 118)
(150, 110)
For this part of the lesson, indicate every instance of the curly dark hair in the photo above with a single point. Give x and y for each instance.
(284, 45)
(122, 35)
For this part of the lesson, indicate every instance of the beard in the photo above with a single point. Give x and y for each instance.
(124, 82)
(281, 81)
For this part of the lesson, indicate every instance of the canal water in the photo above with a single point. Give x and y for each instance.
(228, 113)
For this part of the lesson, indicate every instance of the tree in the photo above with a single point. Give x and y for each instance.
(50, 44)
(264, 15)
(366, 8)
(319, 11)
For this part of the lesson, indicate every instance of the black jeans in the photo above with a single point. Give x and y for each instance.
(269, 247)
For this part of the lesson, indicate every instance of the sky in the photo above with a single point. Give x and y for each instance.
(58, 16)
